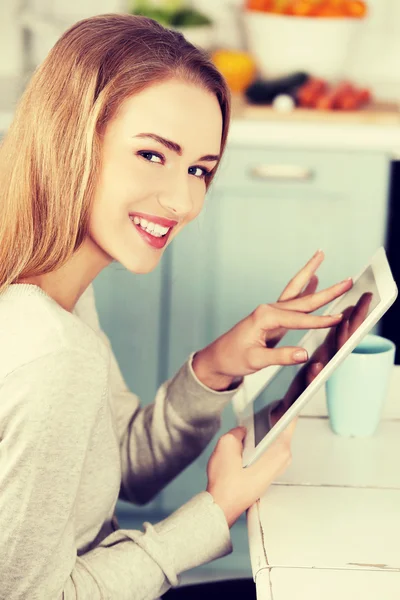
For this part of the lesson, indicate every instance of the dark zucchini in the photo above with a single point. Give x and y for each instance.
(263, 91)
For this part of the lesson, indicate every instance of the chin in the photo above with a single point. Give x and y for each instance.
(139, 267)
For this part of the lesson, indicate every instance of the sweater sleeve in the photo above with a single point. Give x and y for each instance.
(47, 419)
(158, 441)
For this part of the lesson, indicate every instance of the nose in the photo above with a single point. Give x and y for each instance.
(176, 198)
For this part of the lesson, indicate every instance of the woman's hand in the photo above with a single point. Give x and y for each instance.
(303, 283)
(235, 488)
(250, 345)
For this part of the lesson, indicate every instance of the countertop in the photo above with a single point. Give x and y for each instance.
(329, 527)
(376, 128)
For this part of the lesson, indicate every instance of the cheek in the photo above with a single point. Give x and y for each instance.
(198, 199)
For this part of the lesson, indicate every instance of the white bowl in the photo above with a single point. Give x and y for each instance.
(282, 44)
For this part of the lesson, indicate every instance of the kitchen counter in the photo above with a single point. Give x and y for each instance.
(329, 527)
(374, 129)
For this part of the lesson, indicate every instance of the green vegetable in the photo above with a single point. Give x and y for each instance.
(169, 6)
(188, 17)
(156, 14)
(171, 15)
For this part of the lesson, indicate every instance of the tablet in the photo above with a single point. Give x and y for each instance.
(269, 399)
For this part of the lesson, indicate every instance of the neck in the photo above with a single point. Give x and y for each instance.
(67, 284)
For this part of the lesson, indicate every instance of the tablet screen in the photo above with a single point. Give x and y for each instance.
(289, 382)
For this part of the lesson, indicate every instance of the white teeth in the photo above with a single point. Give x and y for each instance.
(153, 228)
(159, 229)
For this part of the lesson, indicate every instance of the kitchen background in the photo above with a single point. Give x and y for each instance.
(373, 62)
(302, 171)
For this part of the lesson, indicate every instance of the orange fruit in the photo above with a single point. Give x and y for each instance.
(238, 68)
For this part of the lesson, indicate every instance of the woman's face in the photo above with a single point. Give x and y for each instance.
(155, 154)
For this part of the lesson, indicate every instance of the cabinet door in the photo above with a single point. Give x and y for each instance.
(254, 234)
(129, 308)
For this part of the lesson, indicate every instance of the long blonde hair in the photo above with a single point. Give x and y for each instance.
(50, 157)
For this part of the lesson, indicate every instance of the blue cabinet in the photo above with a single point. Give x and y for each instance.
(130, 312)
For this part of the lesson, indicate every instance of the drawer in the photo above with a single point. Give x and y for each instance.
(314, 174)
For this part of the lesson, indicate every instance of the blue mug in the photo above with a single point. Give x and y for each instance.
(356, 392)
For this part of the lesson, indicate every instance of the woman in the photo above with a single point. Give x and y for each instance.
(113, 146)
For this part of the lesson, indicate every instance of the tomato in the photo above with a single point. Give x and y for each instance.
(326, 101)
(330, 8)
(301, 8)
(349, 101)
(333, 97)
(364, 95)
(356, 8)
(310, 92)
(260, 5)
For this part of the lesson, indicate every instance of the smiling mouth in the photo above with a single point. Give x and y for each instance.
(153, 229)
(154, 234)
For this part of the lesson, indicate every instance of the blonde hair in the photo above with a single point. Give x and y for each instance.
(50, 157)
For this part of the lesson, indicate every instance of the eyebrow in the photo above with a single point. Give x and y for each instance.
(174, 146)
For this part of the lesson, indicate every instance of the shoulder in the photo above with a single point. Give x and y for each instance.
(34, 328)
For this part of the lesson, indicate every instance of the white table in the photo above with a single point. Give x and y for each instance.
(329, 528)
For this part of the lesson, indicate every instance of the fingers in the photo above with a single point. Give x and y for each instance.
(233, 437)
(275, 459)
(353, 316)
(239, 433)
(360, 312)
(343, 334)
(311, 287)
(271, 317)
(229, 447)
(260, 358)
(299, 281)
(313, 370)
(312, 302)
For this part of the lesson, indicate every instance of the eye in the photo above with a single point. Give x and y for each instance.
(151, 156)
(200, 172)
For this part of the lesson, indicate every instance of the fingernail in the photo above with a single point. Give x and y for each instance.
(300, 355)
(317, 252)
(347, 280)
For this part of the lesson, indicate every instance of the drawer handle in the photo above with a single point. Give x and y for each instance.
(282, 172)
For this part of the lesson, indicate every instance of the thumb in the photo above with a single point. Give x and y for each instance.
(229, 447)
(238, 432)
(232, 439)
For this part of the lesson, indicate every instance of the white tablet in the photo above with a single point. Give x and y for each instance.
(272, 397)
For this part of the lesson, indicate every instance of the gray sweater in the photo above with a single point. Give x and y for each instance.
(73, 439)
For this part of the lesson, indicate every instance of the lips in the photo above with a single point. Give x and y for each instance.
(155, 231)
(153, 219)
